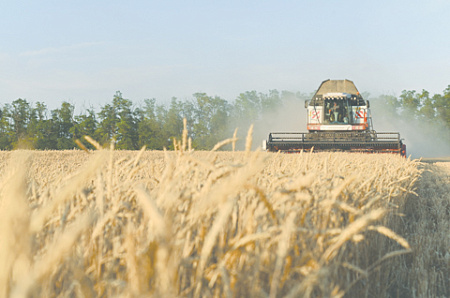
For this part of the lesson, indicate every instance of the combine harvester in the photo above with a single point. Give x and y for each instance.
(339, 119)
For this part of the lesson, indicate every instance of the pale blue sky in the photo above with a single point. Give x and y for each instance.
(84, 51)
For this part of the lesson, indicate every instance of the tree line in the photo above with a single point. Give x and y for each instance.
(421, 117)
(420, 106)
(210, 119)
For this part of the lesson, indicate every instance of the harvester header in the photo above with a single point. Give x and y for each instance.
(338, 119)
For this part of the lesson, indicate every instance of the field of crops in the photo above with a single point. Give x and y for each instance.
(213, 224)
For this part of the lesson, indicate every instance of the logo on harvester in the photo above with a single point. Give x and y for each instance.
(314, 114)
(360, 114)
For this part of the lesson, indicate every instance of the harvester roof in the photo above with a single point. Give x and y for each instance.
(333, 86)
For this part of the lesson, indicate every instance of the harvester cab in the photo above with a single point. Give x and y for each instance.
(338, 119)
(338, 112)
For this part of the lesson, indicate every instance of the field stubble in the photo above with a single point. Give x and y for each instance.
(213, 224)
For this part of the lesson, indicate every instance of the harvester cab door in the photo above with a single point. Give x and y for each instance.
(360, 115)
(315, 113)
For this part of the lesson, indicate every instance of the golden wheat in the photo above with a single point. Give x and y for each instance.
(213, 224)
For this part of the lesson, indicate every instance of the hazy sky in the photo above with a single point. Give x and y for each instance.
(84, 51)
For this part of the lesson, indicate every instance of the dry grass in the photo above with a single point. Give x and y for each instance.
(213, 224)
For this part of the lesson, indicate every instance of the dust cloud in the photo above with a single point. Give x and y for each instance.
(288, 117)
(422, 139)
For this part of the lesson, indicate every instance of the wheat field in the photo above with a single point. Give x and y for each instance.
(110, 223)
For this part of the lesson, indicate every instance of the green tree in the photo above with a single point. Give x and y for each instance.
(37, 115)
(5, 129)
(202, 113)
(107, 127)
(48, 139)
(247, 106)
(410, 103)
(117, 120)
(188, 112)
(20, 112)
(85, 125)
(211, 120)
(270, 102)
(63, 119)
(442, 104)
(149, 128)
(127, 126)
(172, 122)
(427, 111)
